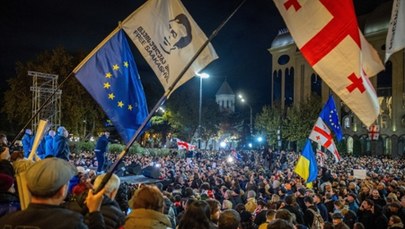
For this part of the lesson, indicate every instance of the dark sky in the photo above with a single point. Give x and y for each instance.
(31, 27)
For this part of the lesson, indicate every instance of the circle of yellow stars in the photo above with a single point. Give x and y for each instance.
(107, 85)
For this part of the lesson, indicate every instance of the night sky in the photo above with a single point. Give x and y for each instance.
(31, 27)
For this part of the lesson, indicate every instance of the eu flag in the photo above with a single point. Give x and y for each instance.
(330, 116)
(110, 75)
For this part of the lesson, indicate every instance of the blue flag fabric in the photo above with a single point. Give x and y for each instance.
(307, 166)
(111, 77)
(330, 116)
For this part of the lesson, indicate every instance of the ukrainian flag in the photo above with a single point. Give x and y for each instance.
(306, 166)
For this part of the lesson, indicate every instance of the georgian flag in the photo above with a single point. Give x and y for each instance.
(185, 145)
(374, 132)
(327, 34)
(322, 135)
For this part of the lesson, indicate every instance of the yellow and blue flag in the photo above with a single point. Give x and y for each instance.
(306, 166)
(110, 75)
(330, 117)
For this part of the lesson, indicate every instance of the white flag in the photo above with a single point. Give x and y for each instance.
(327, 34)
(396, 30)
(168, 37)
(322, 135)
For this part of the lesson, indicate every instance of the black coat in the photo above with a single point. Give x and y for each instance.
(42, 216)
(309, 216)
(8, 203)
(113, 215)
(299, 215)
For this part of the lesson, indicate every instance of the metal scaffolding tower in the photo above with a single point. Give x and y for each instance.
(43, 86)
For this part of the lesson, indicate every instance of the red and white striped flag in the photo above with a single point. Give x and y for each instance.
(322, 135)
(328, 36)
(185, 145)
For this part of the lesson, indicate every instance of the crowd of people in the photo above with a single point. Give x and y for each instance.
(211, 189)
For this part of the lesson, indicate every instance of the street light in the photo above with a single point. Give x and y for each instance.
(251, 115)
(202, 76)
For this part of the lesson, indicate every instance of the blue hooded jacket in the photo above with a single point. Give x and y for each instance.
(49, 146)
(61, 145)
(27, 142)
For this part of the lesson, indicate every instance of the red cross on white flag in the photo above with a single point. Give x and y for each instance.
(328, 36)
(374, 132)
(322, 135)
(185, 145)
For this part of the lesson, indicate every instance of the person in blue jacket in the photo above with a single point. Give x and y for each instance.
(61, 144)
(41, 149)
(49, 144)
(27, 142)
(100, 150)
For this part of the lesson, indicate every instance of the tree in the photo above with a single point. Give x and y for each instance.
(181, 114)
(295, 124)
(77, 105)
(268, 122)
(300, 119)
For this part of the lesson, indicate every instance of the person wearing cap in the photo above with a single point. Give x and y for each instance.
(337, 220)
(61, 144)
(47, 181)
(100, 150)
(9, 201)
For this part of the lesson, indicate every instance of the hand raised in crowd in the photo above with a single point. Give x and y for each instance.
(93, 201)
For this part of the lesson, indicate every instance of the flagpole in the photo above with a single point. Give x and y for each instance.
(162, 100)
(63, 82)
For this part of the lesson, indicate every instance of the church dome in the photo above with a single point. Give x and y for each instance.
(378, 20)
(225, 89)
(282, 39)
